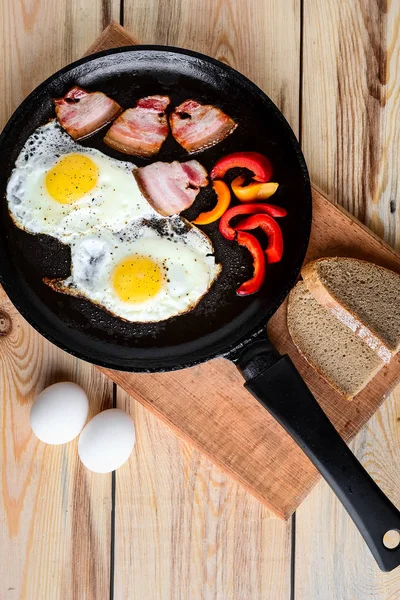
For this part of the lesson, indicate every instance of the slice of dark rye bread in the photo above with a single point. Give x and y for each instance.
(331, 348)
(364, 296)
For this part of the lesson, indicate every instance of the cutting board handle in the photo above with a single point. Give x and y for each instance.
(277, 385)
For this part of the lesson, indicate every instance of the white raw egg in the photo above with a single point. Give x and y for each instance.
(59, 413)
(107, 441)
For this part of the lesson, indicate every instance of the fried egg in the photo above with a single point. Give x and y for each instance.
(146, 273)
(63, 189)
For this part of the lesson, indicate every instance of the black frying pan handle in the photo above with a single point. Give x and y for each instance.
(278, 386)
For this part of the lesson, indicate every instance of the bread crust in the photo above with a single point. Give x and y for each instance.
(297, 343)
(346, 316)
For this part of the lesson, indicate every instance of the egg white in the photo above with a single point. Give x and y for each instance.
(112, 203)
(183, 253)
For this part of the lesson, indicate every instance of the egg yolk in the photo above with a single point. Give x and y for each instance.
(71, 178)
(136, 279)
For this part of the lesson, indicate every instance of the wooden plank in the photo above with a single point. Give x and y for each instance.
(351, 111)
(186, 530)
(351, 107)
(332, 560)
(113, 36)
(40, 37)
(183, 528)
(54, 515)
(261, 38)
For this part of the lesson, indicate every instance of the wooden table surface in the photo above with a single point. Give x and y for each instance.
(169, 525)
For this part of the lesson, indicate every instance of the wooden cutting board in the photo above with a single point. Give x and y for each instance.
(208, 405)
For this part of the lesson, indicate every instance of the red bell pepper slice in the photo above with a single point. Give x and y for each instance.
(246, 209)
(259, 164)
(274, 249)
(253, 245)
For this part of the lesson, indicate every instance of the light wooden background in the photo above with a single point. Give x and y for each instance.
(171, 526)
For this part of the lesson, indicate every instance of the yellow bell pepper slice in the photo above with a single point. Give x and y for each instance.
(253, 191)
(224, 200)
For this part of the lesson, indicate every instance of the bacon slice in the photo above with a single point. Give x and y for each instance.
(171, 187)
(198, 126)
(141, 130)
(81, 113)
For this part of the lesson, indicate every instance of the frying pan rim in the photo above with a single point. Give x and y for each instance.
(207, 353)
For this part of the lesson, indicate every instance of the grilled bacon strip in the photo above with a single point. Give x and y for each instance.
(81, 113)
(171, 187)
(198, 126)
(142, 130)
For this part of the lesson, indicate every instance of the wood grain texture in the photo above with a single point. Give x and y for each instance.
(54, 515)
(332, 560)
(113, 36)
(351, 101)
(260, 38)
(184, 530)
(351, 107)
(41, 36)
